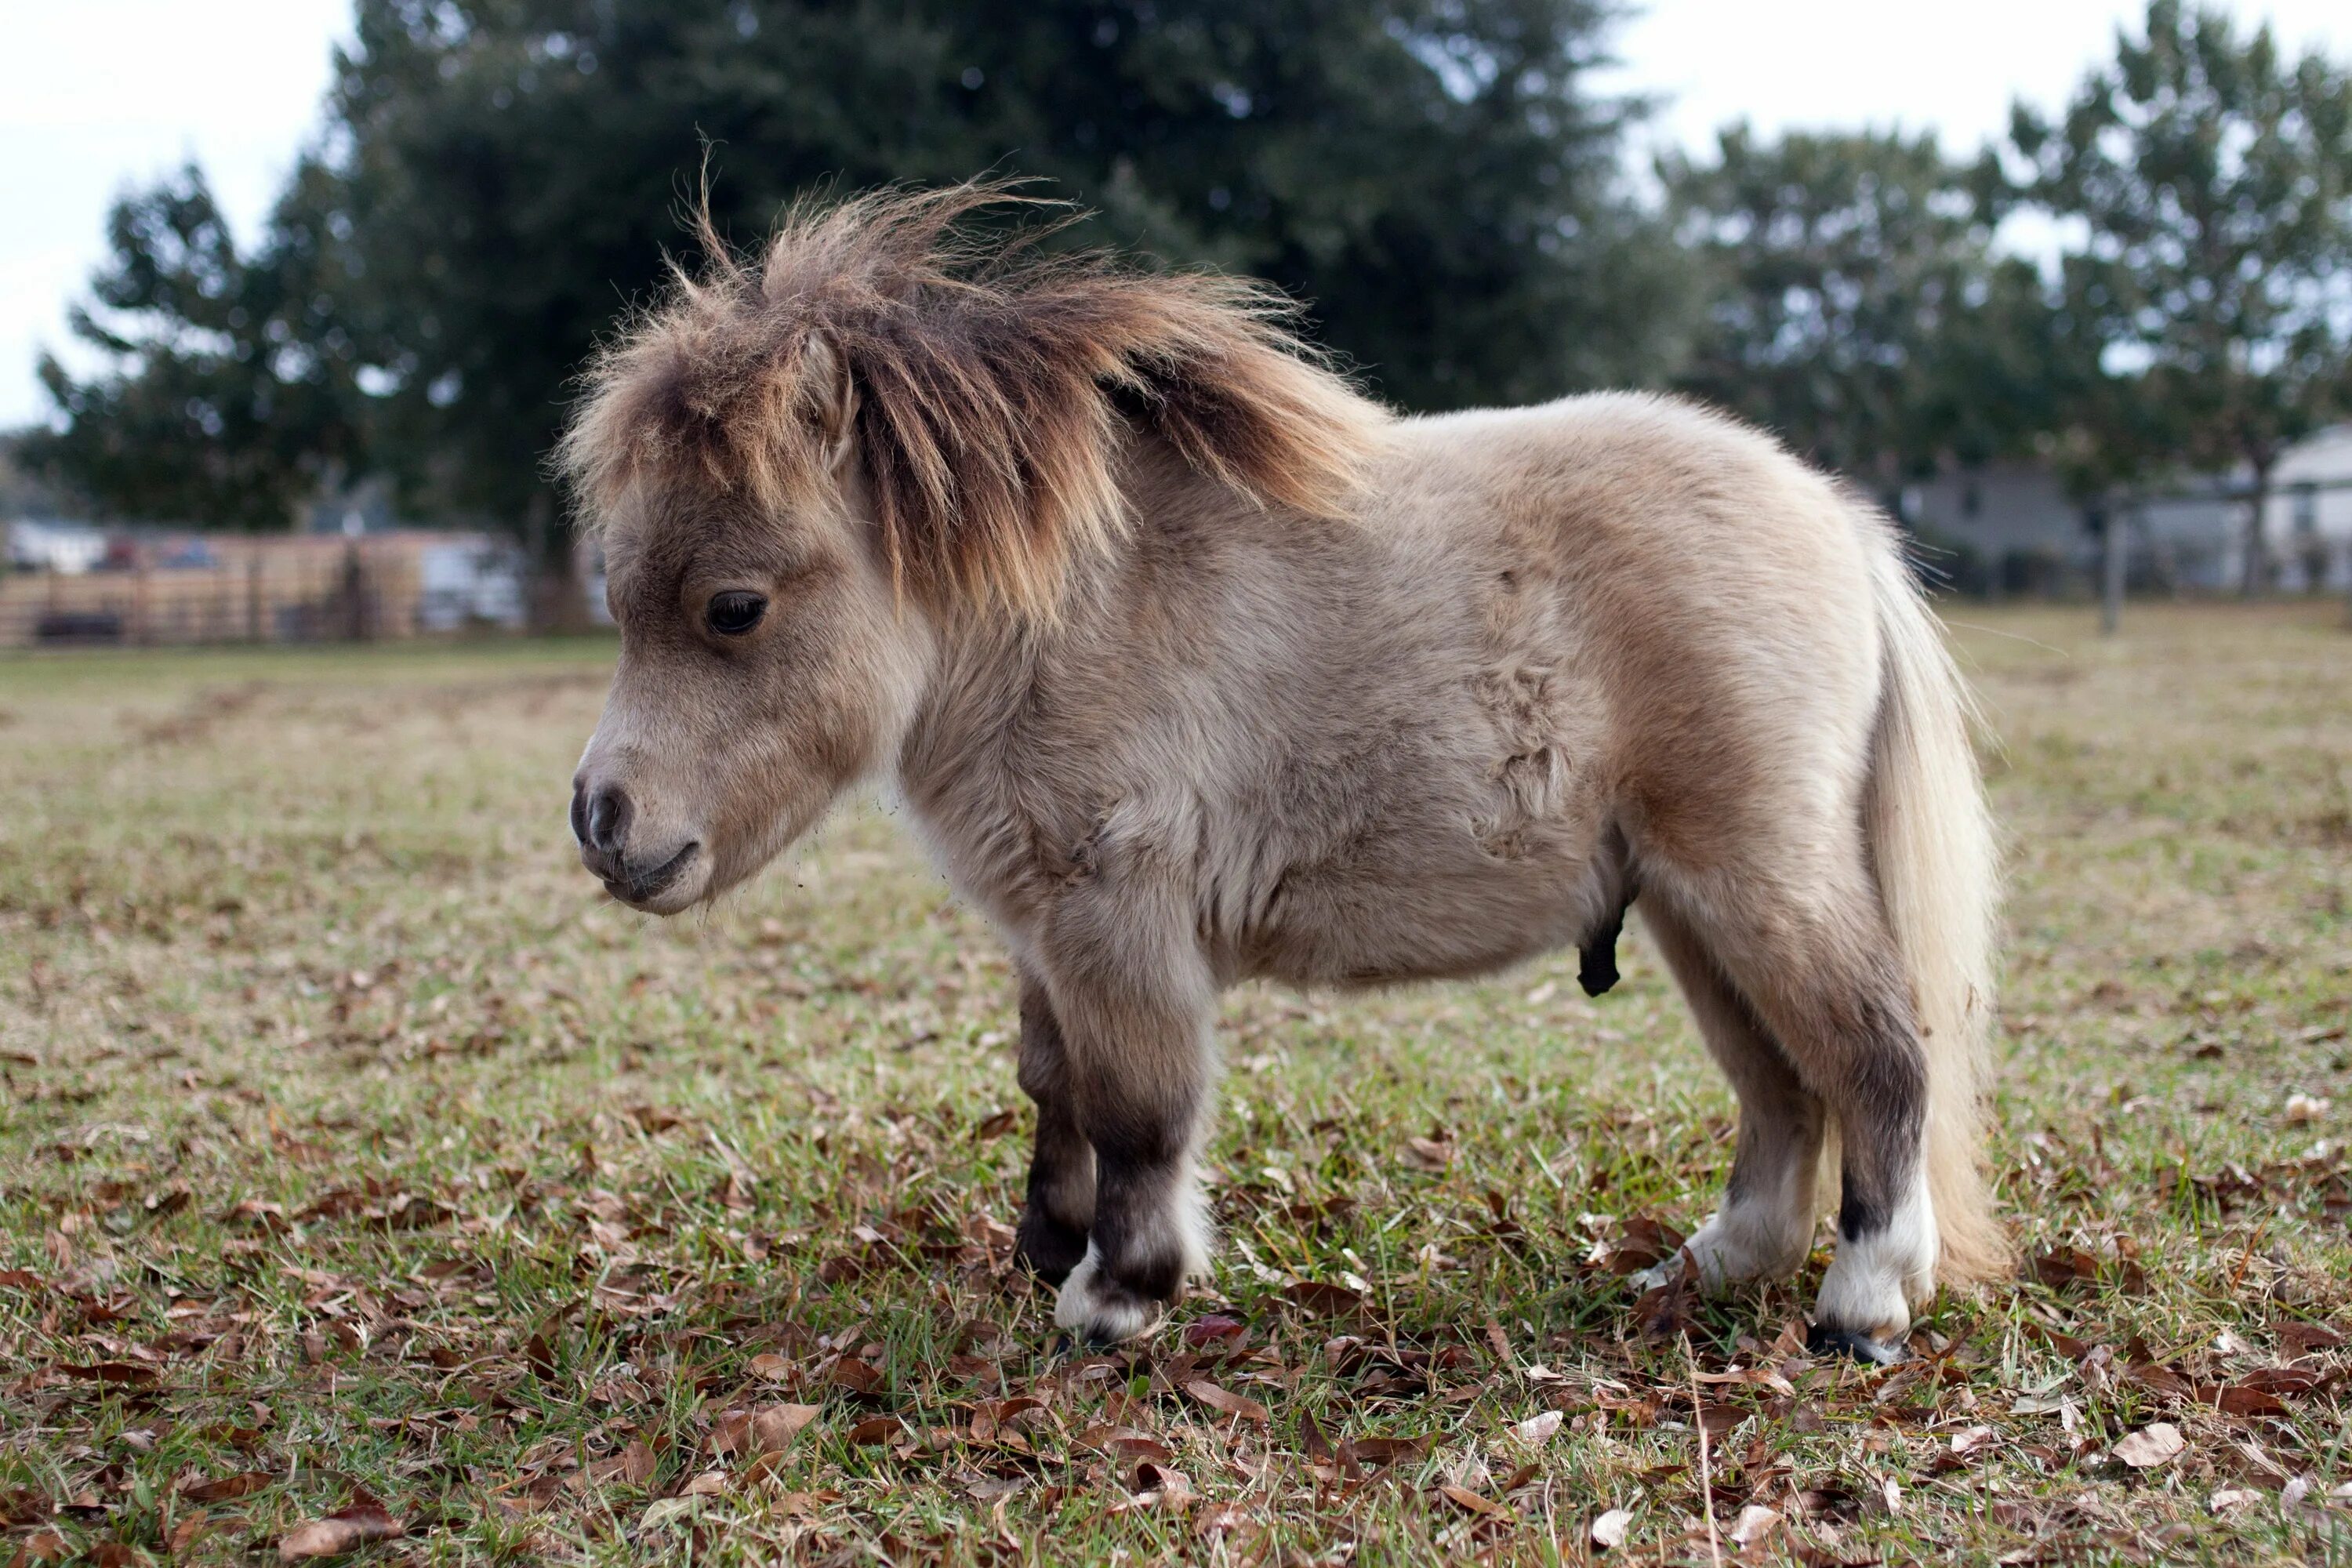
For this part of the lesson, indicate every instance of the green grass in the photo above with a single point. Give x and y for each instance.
(353, 1145)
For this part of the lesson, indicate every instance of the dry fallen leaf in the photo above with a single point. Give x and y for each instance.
(1217, 1520)
(1158, 1485)
(2248, 1399)
(1536, 1429)
(2303, 1339)
(765, 1430)
(857, 1375)
(345, 1530)
(633, 1466)
(1140, 1445)
(1218, 1399)
(227, 1487)
(773, 1425)
(1755, 1522)
(2062, 1267)
(1464, 1498)
(1434, 1153)
(1608, 1529)
(2151, 1446)
(1387, 1450)
(1324, 1299)
(1665, 1312)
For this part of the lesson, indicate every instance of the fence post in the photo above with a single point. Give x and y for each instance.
(2111, 576)
(353, 591)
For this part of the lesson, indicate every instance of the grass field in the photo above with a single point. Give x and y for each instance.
(368, 1180)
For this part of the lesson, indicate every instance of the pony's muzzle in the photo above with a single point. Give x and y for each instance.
(601, 817)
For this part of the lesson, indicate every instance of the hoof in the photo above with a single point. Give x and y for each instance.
(1823, 1340)
(1101, 1310)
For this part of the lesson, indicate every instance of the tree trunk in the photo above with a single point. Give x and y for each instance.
(2256, 578)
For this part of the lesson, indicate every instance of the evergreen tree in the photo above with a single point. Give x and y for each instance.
(226, 397)
(1856, 305)
(1433, 176)
(2211, 175)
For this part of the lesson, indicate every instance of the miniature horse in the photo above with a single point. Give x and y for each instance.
(1195, 665)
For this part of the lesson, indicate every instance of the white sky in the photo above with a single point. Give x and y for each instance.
(96, 95)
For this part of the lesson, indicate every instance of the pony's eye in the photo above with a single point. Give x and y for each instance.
(732, 615)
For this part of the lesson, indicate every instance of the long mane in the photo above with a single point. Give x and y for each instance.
(983, 387)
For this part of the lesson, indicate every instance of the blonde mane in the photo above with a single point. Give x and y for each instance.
(983, 388)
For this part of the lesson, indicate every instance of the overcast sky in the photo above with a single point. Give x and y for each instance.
(98, 94)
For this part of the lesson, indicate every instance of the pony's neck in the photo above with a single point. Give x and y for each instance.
(991, 668)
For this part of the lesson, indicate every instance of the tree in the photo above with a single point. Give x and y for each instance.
(2212, 178)
(1857, 305)
(1434, 175)
(226, 397)
(22, 492)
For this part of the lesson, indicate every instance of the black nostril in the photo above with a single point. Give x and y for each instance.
(580, 811)
(608, 819)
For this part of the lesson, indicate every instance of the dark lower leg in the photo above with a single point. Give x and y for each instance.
(1148, 1233)
(1052, 1238)
(1880, 1119)
(1139, 1085)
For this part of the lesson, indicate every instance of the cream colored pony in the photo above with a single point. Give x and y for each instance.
(1196, 666)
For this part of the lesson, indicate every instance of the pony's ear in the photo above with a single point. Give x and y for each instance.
(829, 399)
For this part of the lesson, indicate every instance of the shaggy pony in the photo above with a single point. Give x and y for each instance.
(1196, 666)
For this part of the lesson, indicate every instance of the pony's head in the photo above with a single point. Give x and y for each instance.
(806, 467)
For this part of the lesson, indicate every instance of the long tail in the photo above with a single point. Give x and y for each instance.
(1932, 843)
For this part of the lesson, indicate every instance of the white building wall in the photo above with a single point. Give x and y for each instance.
(2307, 522)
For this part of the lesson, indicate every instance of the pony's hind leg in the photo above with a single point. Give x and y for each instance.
(1821, 971)
(1052, 1238)
(1765, 1226)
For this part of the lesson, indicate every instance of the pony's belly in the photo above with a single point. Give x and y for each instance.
(1434, 927)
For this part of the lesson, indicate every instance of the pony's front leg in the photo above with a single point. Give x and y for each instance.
(1137, 1058)
(1061, 1202)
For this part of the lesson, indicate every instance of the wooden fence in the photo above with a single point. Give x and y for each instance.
(299, 589)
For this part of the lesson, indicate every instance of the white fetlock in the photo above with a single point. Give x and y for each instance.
(1736, 1243)
(1099, 1312)
(1873, 1283)
(1102, 1311)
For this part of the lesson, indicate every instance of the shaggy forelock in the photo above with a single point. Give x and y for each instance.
(986, 388)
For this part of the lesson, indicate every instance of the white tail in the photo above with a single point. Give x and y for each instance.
(1932, 843)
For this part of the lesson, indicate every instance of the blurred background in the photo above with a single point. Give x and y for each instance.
(291, 293)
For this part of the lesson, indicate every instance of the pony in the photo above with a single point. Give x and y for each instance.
(1195, 665)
